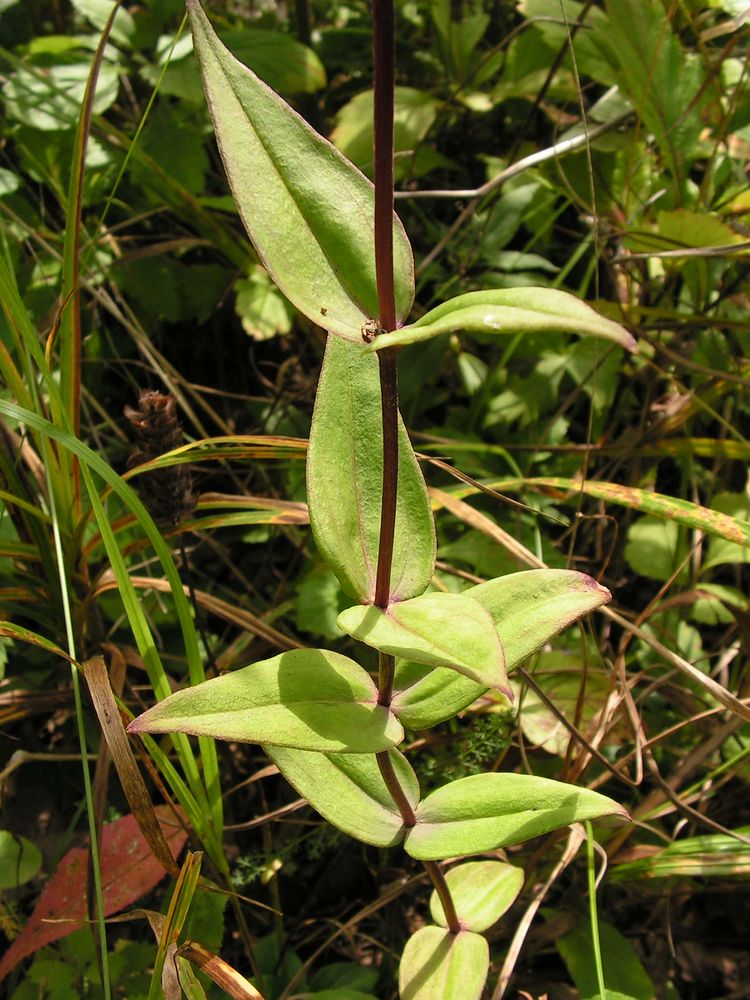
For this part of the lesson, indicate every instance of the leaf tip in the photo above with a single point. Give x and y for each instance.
(589, 583)
(137, 724)
(629, 342)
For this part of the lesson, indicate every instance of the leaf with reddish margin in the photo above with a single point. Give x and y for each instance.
(129, 870)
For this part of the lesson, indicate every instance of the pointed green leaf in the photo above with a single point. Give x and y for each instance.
(485, 811)
(307, 209)
(311, 699)
(444, 630)
(528, 609)
(510, 311)
(438, 965)
(348, 791)
(481, 891)
(625, 978)
(345, 481)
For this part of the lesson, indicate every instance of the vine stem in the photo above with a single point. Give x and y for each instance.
(384, 64)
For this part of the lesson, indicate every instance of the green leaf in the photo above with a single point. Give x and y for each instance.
(311, 699)
(345, 481)
(438, 965)
(279, 60)
(169, 138)
(646, 54)
(509, 311)
(348, 791)
(345, 975)
(262, 309)
(623, 970)
(720, 551)
(98, 12)
(560, 675)
(413, 115)
(528, 609)
(653, 548)
(485, 811)
(444, 630)
(20, 860)
(308, 211)
(50, 99)
(341, 993)
(482, 891)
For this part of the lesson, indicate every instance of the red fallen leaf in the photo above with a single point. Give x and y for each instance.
(129, 870)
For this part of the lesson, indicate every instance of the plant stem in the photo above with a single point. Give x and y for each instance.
(596, 945)
(393, 785)
(386, 673)
(303, 20)
(437, 878)
(384, 64)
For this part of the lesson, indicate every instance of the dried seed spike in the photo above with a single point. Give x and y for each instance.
(167, 492)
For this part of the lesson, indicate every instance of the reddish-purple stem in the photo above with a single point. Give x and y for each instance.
(384, 64)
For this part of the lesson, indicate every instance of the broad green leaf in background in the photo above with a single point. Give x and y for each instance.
(482, 891)
(510, 311)
(345, 481)
(623, 970)
(49, 98)
(279, 60)
(444, 630)
(560, 674)
(308, 211)
(656, 548)
(263, 310)
(343, 993)
(683, 228)
(414, 114)
(460, 30)
(545, 16)
(98, 12)
(345, 975)
(20, 860)
(348, 790)
(485, 811)
(528, 609)
(311, 699)
(648, 60)
(437, 965)
(721, 551)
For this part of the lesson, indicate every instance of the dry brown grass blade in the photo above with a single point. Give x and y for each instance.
(245, 620)
(740, 707)
(233, 984)
(95, 672)
(576, 836)
(575, 733)
(477, 520)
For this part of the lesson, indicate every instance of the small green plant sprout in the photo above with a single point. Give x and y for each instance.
(333, 245)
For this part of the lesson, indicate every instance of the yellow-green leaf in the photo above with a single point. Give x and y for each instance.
(312, 699)
(308, 211)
